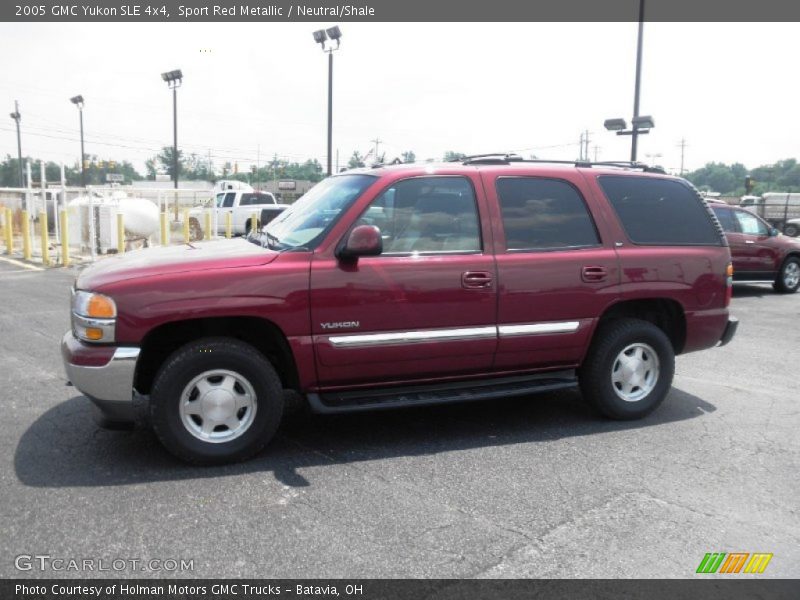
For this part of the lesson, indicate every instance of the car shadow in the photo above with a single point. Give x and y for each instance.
(752, 290)
(64, 448)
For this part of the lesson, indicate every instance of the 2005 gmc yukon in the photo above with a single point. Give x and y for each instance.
(409, 285)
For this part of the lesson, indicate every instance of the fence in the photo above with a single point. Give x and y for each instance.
(61, 225)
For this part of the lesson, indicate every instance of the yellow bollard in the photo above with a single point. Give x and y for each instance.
(9, 231)
(120, 233)
(187, 234)
(228, 225)
(254, 223)
(164, 229)
(64, 239)
(207, 224)
(26, 236)
(45, 238)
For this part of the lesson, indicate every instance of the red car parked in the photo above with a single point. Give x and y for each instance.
(409, 285)
(759, 251)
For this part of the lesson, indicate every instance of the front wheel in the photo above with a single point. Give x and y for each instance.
(791, 230)
(628, 370)
(215, 401)
(788, 279)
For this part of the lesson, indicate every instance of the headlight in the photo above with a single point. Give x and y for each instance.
(93, 317)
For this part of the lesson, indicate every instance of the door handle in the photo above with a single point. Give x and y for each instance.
(749, 242)
(591, 274)
(479, 280)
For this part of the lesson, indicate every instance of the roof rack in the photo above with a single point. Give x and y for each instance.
(500, 158)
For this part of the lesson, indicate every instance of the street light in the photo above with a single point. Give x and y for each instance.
(18, 117)
(174, 80)
(78, 101)
(333, 34)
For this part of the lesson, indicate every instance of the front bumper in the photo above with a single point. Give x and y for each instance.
(730, 331)
(105, 375)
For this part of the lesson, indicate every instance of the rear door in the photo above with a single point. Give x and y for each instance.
(730, 225)
(557, 272)
(426, 307)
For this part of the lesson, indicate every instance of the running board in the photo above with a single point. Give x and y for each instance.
(424, 395)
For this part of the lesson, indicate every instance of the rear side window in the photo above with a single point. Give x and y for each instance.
(543, 214)
(660, 211)
(726, 219)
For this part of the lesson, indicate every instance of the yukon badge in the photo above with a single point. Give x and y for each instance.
(341, 325)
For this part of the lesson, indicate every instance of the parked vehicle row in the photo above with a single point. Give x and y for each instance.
(404, 286)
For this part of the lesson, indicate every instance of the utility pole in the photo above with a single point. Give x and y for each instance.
(17, 117)
(580, 146)
(596, 148)
(682, 146)
(377, 142)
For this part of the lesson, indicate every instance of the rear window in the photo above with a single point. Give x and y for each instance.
(660, 211)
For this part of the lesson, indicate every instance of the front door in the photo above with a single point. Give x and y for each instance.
(753, 244)
(424, 308)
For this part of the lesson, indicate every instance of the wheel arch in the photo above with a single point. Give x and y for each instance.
(665, 313)
(262, 334)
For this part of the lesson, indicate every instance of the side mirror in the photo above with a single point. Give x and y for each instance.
(364, 240)
(773, 232)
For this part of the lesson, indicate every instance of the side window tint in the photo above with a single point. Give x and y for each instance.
(726, 219)
(544, 214)
(228, 202)
(660, 211)
(750, 224)
(426, 214)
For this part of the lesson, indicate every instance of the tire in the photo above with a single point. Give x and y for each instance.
(210, 381)
(788, 279)
(247, 227)
(607, 384)
(195, 231)
(791, 230)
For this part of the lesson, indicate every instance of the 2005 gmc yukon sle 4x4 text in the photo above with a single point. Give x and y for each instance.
(408, 285)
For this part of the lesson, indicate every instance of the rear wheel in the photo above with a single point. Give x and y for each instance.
(216, 400)
(788, 279)
(628, 370)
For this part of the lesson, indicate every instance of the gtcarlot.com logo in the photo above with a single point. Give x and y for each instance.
(46, 562)
(734, 562)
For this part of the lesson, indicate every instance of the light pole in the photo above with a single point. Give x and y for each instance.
(17, 117)
(333, 34)
(174, 80)
(78, 101)
(640, 125)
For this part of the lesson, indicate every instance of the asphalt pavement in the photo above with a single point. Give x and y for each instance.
(525, 487)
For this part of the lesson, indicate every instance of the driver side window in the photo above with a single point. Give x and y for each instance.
(427, 215)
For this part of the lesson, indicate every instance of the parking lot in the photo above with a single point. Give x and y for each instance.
(525, 487)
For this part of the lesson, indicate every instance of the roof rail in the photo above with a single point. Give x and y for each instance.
(499, 158)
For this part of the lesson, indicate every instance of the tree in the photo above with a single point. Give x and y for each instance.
(356, 160)
(408, 156)
(167, 161)
(451, 156)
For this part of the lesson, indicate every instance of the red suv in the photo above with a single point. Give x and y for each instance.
(759, 251)
(408, 285)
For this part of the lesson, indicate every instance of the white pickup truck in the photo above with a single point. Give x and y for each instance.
(242, 204)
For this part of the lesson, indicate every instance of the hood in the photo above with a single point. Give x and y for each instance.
(199, 256)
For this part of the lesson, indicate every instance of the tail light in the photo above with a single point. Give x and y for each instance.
(728, 283)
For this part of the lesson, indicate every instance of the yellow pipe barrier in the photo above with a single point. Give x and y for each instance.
(45, 239)
(64, 239)
(164, 229)
(254, 223)
(228, 225)
(207, 224)
(120, 233)
(187, 234)
(26, 236)
(9, 231)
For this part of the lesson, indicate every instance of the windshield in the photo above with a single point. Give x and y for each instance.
(308, 219)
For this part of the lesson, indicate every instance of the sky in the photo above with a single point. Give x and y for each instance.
(252, 90)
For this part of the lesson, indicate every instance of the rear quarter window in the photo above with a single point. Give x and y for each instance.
(657, 211)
